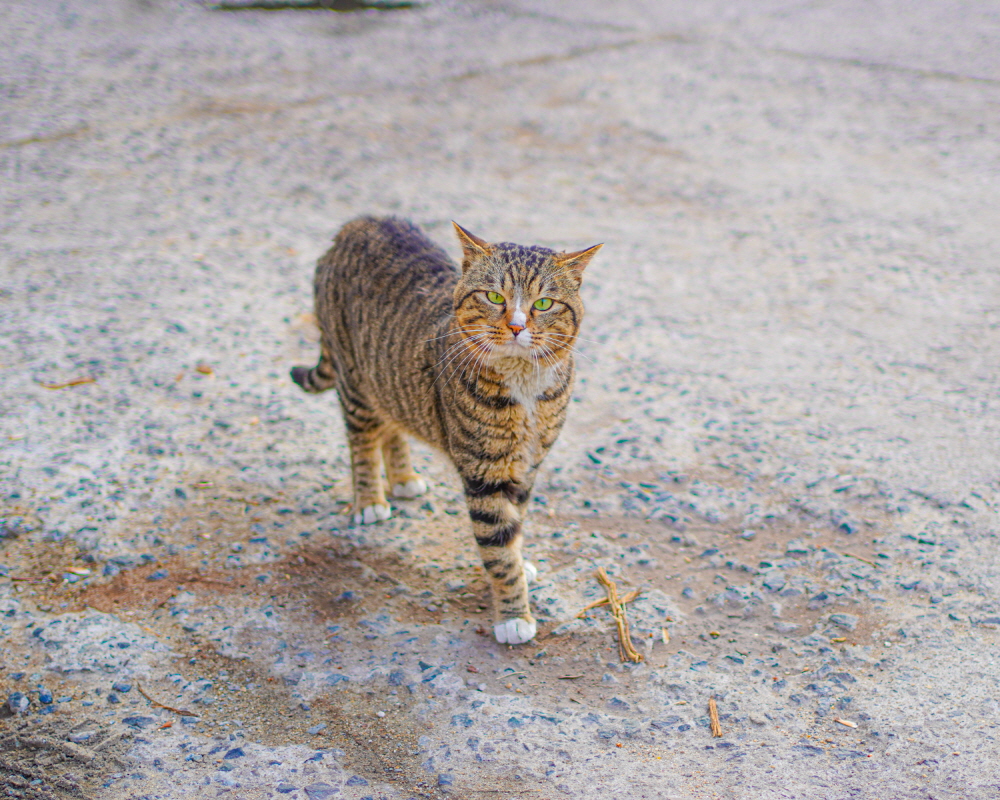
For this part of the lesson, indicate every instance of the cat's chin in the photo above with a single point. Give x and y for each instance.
(514, 350)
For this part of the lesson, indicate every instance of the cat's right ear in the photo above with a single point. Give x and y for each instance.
(472, 246)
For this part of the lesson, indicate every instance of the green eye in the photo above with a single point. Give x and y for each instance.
(495, 297)
(544, 304)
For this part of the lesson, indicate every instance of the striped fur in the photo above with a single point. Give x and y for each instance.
(414, 345)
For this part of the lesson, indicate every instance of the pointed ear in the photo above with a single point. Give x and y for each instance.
(578, 261)
(472, 246)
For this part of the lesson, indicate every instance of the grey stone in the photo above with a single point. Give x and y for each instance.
(797, 548)
(139, 722)
(847, 621)
(320, 791)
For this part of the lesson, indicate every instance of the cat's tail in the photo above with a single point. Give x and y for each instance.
(315, 379)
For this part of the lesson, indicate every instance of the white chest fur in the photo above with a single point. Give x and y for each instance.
(526, 380)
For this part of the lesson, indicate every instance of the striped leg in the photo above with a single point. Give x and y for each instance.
(366, 470)
(403, 481)
(496, 524)
(522, 499)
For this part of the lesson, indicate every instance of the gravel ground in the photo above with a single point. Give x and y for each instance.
(784, 431)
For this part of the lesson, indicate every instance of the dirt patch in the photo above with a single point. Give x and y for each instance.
(58, 757)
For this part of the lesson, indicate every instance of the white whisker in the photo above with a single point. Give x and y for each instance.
(573, 338)
(570, 349)
(457, 332)
(469, 352)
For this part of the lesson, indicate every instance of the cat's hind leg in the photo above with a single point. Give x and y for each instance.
(316, 379)
(366, 471)
(365, 430)
(403, 481)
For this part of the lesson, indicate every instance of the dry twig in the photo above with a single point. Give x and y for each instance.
(625, 648)
(604, 601)
(68, 384)
(863, 560)
(157, 704)
(713, 718)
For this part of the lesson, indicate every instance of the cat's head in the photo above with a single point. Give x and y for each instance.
(520, 301)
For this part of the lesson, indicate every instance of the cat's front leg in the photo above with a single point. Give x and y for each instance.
(496, 524)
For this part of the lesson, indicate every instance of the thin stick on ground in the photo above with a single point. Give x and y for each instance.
(625, 648)
(68, 384)
(157, 704)
(863, 560)
(713, 718)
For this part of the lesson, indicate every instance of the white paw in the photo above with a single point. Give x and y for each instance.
(372, 513)
(412, 488)
(515, 631)
(530, 572)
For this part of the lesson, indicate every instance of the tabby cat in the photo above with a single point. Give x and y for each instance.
(477, 362)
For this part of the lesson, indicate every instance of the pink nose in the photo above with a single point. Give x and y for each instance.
(515, 328)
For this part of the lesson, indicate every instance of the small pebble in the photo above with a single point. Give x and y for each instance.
(317, 728)
(18, 702)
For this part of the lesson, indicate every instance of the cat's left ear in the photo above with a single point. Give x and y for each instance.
(472, 246)
(577, 262)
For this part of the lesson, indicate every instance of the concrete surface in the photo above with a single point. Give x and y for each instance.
(785, 431)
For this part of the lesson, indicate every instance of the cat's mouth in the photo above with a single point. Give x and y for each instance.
(524, 344)
(519, 345)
